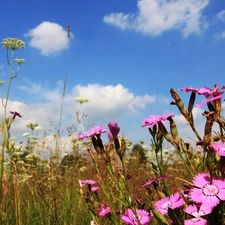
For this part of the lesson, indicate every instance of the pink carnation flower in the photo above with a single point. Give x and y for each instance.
(129, 218)
(104, 210)
(210, 99)
(152, 181)
(95, 188)
(153, 119)
(114, 129)
(219, 148)
(172, 202)
(82, 183)
(210, 94)
(207, 193)
(197, 212)
(94, 131)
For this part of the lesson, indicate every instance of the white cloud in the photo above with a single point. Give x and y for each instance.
(106, 103)
(48, 37)
(112, 99)
(157, 16)
(220, 16)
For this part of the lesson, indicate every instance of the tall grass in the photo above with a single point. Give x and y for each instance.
(115, 182)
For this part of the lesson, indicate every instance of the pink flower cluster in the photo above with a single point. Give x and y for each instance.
(211, 95)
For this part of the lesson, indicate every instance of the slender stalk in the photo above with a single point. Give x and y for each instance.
(63, 96)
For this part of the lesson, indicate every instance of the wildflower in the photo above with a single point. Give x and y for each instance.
(94, 131)
(104, 210)
(15, 114)
(19, 61)
(212, 99)
(197, 212)
(32, 125)
(206, 192)
(152, 181)
(13, 43)
(81, 100)
(95, 188)
(114, 129)
(110, 136)
(38, 128)
(207, 92)
(219, 148)
(211, 95)
(81, 137)
(129, 217)
(153, 120)
(26, 134)
(82, 183)
(174, 201)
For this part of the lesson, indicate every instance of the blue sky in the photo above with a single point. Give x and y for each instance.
(124, 56)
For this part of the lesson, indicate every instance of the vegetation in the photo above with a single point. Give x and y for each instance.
(115, 182)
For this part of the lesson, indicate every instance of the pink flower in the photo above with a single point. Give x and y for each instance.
(172, 202)
(206, 192)
(210, 99)
(219, 148)
(152, 181)
(95, 188)
(210, 94)
(94, 131)
(207, 92)
(110, 136)
(114, 129)
(129, 218)
(15, 114)
(82, 183)
(104, 210)
(197, 213)
(153, 120)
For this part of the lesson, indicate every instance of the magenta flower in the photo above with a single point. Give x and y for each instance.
(129, 218)
(153, 119)
(95, 188)
(206, 192)
(15, 114)
(219, 148)
(207, 92)
(211, 95)
(114, 129)
(152, 181)
(81, 137)
(110, 136)
(197, 213)
(172, 202)
(94, 131)
(104, 210)
(82, 183)
(210, 99)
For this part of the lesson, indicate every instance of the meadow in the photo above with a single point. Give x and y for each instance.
(115, 182)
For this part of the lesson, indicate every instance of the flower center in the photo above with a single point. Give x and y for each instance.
(210, 190)
(166, 205)
(134, 219)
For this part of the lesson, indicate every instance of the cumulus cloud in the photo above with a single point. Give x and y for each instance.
(157, 16)
(112, 100)
(48, 37)
(106, 103)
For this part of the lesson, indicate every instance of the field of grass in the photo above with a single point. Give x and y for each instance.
(115, 182)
